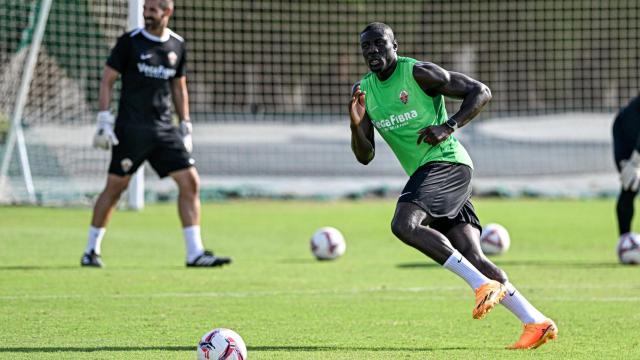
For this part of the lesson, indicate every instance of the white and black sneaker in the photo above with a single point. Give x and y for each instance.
(91, 259)
(207, 259)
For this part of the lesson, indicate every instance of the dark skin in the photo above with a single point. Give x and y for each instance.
(410, 222)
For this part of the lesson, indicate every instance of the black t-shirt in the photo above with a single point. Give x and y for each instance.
(147, 64)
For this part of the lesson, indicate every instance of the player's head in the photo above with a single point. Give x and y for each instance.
(156, 13)
(379, 46)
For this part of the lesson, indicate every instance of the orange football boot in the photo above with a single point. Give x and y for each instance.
(535, 335)
(487, 297)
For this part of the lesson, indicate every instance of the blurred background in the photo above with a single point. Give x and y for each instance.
(269, 82)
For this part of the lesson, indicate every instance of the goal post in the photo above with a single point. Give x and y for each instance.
(135, 196)
(32, 35)
(60, 101)
(48, 89)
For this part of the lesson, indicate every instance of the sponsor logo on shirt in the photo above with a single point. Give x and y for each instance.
(157, 72)
(395, 121)
(145, 56)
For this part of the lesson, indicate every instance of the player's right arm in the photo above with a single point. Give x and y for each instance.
(362, 143)
(104, 137)
(109, 77)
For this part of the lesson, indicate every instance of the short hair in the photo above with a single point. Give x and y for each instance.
(166, 4)
(379, 26)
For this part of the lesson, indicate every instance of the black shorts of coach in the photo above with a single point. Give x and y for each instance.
(162, 147)
(442, 190)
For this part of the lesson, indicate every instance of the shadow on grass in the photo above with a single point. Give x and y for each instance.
(38, 267)
(419, 265)
(309, 260)
(91, 268)
(543, 263)
(356, 348)
(51, 349)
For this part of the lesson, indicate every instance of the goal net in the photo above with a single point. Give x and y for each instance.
(269, 82)
(62, 97)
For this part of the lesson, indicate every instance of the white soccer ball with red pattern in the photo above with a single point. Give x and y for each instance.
(327, 243)
(495, 239)
(629, 249)
(222, 344)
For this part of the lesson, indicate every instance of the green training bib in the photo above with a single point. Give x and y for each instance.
(398, 108)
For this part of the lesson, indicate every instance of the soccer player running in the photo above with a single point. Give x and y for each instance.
(626, 152)
(404, 100)
(151, 61)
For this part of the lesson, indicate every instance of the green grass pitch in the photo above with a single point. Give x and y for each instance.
(381, 300)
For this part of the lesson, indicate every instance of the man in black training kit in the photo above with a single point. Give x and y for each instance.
(626, 151)
(403, 99)
(151, 61)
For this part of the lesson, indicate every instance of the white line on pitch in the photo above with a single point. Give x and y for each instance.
(356, 291)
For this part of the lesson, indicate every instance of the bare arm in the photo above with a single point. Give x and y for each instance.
(109, 77)
(180, 97)
(362, 143)
(435, 80)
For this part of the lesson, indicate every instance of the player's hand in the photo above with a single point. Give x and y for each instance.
(434, 134)
(356, 107)
(186, 128)
(630, 172)
(104, 137)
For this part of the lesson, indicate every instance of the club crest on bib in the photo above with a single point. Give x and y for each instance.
(404, 96)
(173, 57)
(126, 164)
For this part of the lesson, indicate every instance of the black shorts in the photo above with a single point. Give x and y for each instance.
(162, 147)
(442, 190)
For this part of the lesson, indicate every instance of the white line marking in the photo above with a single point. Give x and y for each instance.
(355, 291)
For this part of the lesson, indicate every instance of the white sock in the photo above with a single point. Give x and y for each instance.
(193, 242)
(94, 240)
(520, 307)
(463, 268)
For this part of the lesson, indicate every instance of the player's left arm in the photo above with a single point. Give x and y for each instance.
(180, 98)
(434, 81)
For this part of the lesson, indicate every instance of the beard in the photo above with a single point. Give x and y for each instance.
(151, 23)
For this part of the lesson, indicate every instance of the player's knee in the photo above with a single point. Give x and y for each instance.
(196, 184)
(402, 229)
(193, 186)
(189, 186)
(113, 190)
(109, 196)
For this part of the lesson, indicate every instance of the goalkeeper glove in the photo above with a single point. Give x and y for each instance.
(186, 129)
(630, 173)
(105, 138)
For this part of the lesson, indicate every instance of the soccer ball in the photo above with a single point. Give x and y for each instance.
(222, 344)
(629, 249)
(327, 243)
(494, 239)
